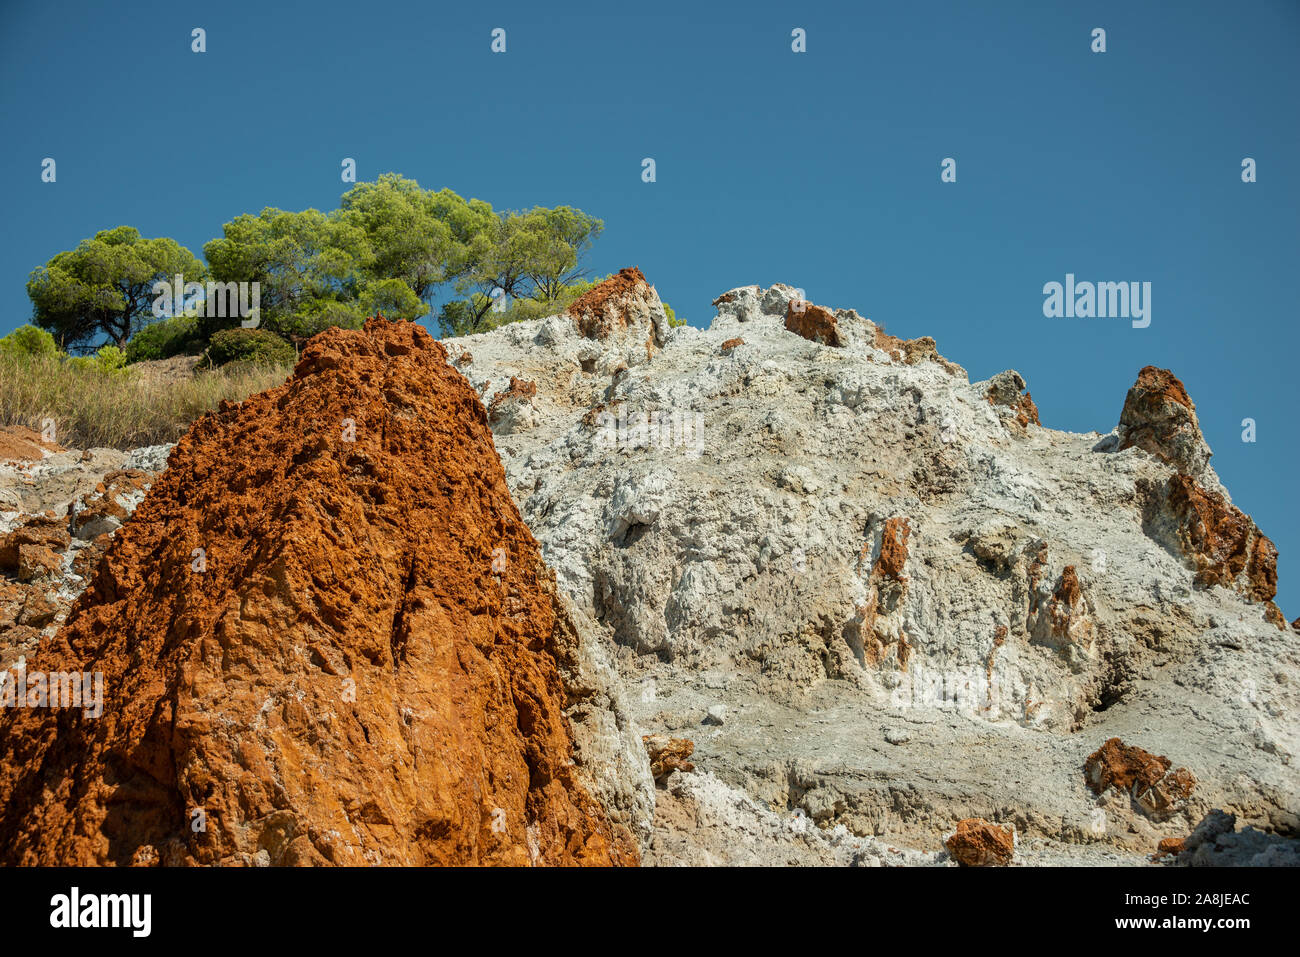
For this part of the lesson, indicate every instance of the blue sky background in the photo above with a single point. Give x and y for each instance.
(819, 169)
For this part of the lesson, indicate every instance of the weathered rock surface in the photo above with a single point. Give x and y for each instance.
(1151, 779)
(916, 603)
(668, 754)
(977, 843)
(60, 509)
(1158, 417)
(327, 637)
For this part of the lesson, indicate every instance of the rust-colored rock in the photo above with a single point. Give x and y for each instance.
(1118, 765)
(604, 308)
(878, 625)
(38, 561)
(111, 503)
(911, 351)
(327, 629)
(1150, 779)
(38, 610)
(519, 390)
(977, 843)
(731, 344)
(668, 754)
(814, 323)
(1223, 544)
(1159, 418)
(39, 531)
(21, 444)
(893, 548)
(1170, 847)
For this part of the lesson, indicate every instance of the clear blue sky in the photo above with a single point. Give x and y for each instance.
(818, 169)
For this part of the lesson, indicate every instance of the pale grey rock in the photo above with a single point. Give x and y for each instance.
(745, 551)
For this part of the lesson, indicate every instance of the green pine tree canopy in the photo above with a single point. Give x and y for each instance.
(390, 247)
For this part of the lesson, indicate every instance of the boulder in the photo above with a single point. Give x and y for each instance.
(977, 843)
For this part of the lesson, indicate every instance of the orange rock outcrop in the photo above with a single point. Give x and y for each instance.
(1150, 779)
(21, 444)
(1225, 545)
(1222, 543)
(1160, 418)
(977, 843)
(326, 636)
(814, 323)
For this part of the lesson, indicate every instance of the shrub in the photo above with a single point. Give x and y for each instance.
(162, 340)
(108, 361)
(256, 346)
(28, 341)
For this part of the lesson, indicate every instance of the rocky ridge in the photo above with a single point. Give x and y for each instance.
(914, 603)
(841, 604)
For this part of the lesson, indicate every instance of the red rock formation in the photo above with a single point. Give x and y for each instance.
(977, 843)
(1118, 765)
(893, 549)
(814, 323)
(1222, 542)
(35, 589)
(1159, 417)
(38, 541)
(326, 637)
(912, 351)
(1145, 776)
(1170, 847)
(603, 309)
(731, 344)
(21, 444)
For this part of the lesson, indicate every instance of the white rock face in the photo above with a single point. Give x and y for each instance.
(913, 603)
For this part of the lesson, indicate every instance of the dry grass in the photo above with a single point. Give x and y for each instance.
(91, 409)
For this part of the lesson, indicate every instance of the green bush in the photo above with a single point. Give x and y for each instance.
(162, 340)
(249, 346)
(108, 361)
(28, 341)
